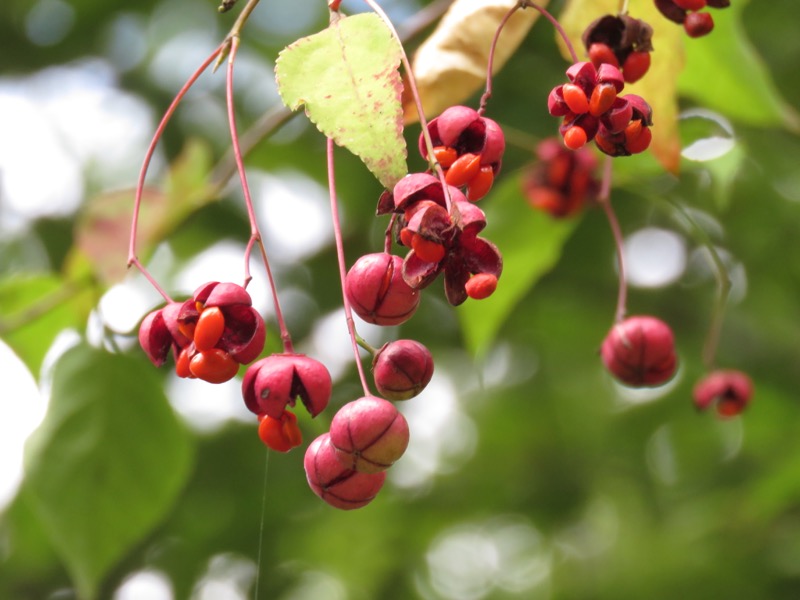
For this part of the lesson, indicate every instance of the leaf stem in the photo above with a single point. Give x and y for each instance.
(366, 345)
(337, 232)
(255, 233)
(724, 286)
(556, 24)
(604, 199)
(490, 62)
(42, 306)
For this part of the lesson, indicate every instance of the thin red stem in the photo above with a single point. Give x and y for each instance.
(337, 232)
(387, 241)
(137, 202)
(490, 63)
(556, 24)
(604, 198)
(255, 233)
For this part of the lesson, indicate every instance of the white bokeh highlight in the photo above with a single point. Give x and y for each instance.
(504, 555)
(654, 257)
(714, 145)
(444, 437)
(145, 585)
(22, 409)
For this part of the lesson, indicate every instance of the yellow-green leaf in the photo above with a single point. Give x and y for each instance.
(348, 80)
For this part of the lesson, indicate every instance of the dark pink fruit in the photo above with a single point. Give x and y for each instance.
(466, 131)
(275, 382)
(157, 338)
(402, 369)
(377, 291)
(698, 24)
(729, 391)
(640, 352)
(337, 485)
(369, 434)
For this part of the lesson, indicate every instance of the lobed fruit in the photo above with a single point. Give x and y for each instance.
(377, 292)
(401, 369)
(729, 391)
(640, 352)
(334, 483)
(369, 434)
(275, 382)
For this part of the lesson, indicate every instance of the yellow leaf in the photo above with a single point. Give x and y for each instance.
(451, 64)
(660, 86)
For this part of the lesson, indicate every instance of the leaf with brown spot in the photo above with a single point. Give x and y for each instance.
(347, 79)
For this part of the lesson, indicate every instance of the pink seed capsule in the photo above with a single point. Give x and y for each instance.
(729, 391)
(402, 369)
(369, 434)
(337, 485)
(377, 291)
(640, 352)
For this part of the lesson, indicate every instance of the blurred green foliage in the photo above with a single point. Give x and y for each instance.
(548, 480)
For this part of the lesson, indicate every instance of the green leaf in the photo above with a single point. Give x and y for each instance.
(36, 308)
(347, 78)
(107, 462)
(530, 242)
(725, 72)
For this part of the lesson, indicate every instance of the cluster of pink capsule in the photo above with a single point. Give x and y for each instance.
(638, 351)
(216, 330)
(433, 214)
(438, 223)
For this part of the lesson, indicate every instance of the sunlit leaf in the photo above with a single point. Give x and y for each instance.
(451, 64)
(346, 77)
(107, 462)
(724, 72)
(659, 86)
(530, 242)
(35, 308)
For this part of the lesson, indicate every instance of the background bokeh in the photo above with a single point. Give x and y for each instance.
(530, 474)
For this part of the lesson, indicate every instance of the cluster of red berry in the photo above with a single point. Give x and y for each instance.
(593, 110)
(562, 181)
(210, 334)
(346, 467)
(688, 13)
(440, 223)
(435, 217)
(638, 351)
